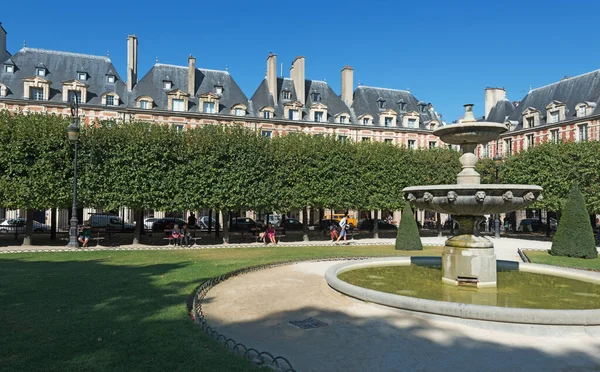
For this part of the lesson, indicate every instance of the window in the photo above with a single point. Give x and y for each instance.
(40, 71)
(342, 119)
(554, 116)
(293, 114)
(530, 141)
(179, 128)
(177, 105)
(287, 94)
(530, 122)
(583, 132)
(218, 89)
(318, 116)
(555, 136)
(366, 121)
(74, 94)
(432, 126)
(342, 138)
(167, 84)
(110, 100)
(266, 133)
(508, 146)
(209, 107)
(411, 144)
(388, 140)
(381, 103)
(267, 114)
(9, 69)
(144, 104)
(581, 111)
(36, 94)
(432, 144)
(82, 76)
(387, 121)
(240, 111)
(366, 139)
(412, 123)
(110, 79)
(316, 97)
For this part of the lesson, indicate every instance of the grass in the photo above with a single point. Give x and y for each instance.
(125, 310)
(577, 263)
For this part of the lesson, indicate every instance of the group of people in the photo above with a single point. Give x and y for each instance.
(180, 235)
(343, 233)
(268, 233)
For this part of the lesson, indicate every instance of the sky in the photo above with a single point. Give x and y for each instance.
(445, 52)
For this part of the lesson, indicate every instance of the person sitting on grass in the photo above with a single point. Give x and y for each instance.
(84, 235)
(175, 234)
(271, 234)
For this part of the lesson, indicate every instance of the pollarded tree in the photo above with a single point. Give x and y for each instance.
(574, 237)
(408, 238)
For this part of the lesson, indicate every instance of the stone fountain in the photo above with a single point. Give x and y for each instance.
(469, 258)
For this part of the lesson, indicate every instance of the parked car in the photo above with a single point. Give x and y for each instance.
(148, 222)
(17, 225)
(324, 224)
(243, 224)
(531, 225)
(108, 221)
(290, 224)
(167, 223)
(368, 224)
(338, 217)
(202, 223)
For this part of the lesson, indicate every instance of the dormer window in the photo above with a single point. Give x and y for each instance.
(554, 116)
(167, 84)
(36, 94)
(209, 107)
(422, 106)
(40, 71)
(110, 100)
(318, 116)
(218, 89)
(387, 121)
(177, 104)
(267, 114)
(286, 94)
(366, 121)
(401, 105)
(82, 76)
(110, 79)
(9, 69)
(381, 103)
(293, 115)
(74, 95)
(530, 122)
(343, 119)
(412, 123)
(177, 100)
(3, 90)
(144, 104)
(239, 110)
(581, 111)
(555, 112)
(531, 117)
(316, 97)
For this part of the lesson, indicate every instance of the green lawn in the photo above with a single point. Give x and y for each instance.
(577, 263)
(125, 310)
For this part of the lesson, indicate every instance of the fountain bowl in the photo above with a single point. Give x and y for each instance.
(473, 199)
(470, 132)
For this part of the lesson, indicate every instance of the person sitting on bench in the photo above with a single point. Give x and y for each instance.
(184, 235)
(84, 235)
(271, 233)
(175, 235)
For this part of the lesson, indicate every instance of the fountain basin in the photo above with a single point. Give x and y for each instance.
(587, 317)
(467, 133)
(473, 199)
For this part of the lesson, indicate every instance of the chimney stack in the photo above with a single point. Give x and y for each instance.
(347, 85)
(297, 73)
(191, 75)
(492, 97)
(3, 51)
(272, 76)
(132, 61)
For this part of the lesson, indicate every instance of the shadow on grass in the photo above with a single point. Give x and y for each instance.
(99, 315)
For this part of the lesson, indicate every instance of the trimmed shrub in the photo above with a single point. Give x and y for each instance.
(408, 238)
(575, 237)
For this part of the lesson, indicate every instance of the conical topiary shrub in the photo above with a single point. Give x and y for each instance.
(574, 237)
(408, 233)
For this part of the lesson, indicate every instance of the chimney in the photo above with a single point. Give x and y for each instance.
(191, 75)
(493, 96)
(347, 85)
(132, 61)
(297, 73)
(3, 51)
(272, 76)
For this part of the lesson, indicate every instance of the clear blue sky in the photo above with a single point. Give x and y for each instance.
(446, 52)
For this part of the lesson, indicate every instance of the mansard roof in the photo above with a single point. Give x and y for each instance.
(262, 97)
(152, 85)
(366, 102)
(60, 67)
(501, 111)
(570, 91)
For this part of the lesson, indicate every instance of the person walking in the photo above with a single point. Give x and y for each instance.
(344, 232)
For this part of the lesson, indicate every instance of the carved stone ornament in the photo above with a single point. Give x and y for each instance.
(411, 197)
(480, 196)
(427, 197)
(452, 195)
(529, 196)
(540, 197)
(507, 196)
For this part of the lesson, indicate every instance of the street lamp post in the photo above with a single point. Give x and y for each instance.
(73, 132)
(497, 162)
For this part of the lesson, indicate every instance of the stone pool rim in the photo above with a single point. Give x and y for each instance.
(589, 317)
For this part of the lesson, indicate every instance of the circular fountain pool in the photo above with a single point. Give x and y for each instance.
(526, 293)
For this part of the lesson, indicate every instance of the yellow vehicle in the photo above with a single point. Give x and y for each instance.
(338, 217)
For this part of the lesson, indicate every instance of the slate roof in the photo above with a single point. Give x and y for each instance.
(326, 96)
(571, 91)
(501, 111)
(206, 80)
(366, 102)
(262, 98)
(63, 66)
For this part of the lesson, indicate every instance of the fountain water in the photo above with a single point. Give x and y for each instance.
(469, 258)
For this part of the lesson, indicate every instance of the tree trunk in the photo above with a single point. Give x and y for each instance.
(305, 225)
(209, 222)
(53, 224)
(283, 224)
(139, 226)
(376, 226)
(217, 226)
(225, 216)
(27, 240)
